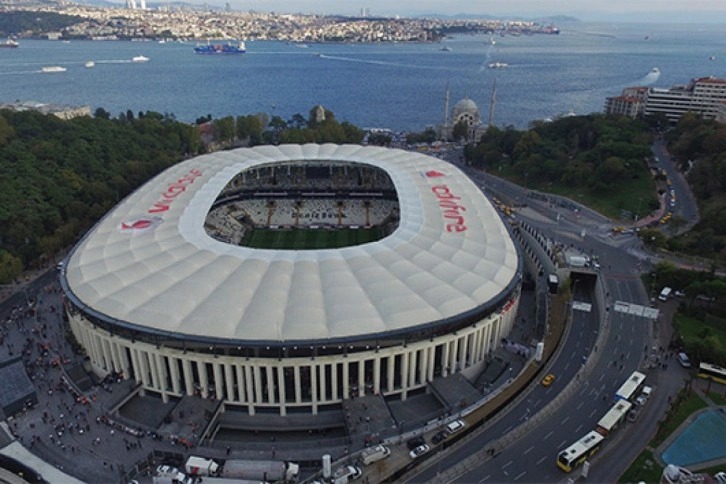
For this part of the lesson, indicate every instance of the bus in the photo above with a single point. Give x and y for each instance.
(578, 452)
(614, 416)
(712, 372)
(632, 386)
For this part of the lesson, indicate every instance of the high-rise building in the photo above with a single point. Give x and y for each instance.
(703, 96)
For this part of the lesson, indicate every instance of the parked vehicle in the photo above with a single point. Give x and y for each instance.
(455, 426)
(684, 360)
(374, 454)
(419, 451)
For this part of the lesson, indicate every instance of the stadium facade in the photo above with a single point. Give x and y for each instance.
(156, 295)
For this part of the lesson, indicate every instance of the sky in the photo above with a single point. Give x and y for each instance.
(676, 11)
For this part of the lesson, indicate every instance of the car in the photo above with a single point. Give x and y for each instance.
(419, 451)
(633, 414)
(641, 400)
(415, 442)
(438, 437)
(455, 426)
(547, 381)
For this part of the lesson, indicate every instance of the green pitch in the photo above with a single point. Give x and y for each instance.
(309, 239)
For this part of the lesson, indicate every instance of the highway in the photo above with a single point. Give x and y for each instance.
(522, 444)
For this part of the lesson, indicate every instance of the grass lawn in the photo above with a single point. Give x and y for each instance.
(637, 196)
(309, 239)
(690, 328)
(718, 396)
(643, 469)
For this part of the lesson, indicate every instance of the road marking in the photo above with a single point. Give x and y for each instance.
(581, 404)
(577, 430)
(548, 435)
(564, 421)
(484, 479)
(602, 375)
(562, 444)
(508, 464)
(520, 475)
(593, 412)
(506, 431)
(528, 450)
(541, 460)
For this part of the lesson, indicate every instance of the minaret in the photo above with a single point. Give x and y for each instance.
(493, 103)
(446, 106)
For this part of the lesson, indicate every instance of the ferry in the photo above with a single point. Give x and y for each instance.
(227, 48)
(53, 69)
(9, 44)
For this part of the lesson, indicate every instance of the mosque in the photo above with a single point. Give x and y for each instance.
(465, 111)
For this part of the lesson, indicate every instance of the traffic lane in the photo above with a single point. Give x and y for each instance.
(519, 414)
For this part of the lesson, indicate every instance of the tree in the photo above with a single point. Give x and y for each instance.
(102, 114)
(460, 131)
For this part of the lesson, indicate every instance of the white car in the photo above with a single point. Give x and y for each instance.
(455, 426)
(419, 451)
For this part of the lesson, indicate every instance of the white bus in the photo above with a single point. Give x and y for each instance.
(632, 386)
(614, 416)
(712, 372)
(578, 452)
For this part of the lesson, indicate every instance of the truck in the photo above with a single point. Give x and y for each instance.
(170, 475)
(262, 470)
(345, 474)
(374, 454)
(578, 261)
(201, 466)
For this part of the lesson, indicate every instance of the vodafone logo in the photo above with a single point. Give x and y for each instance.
(139, 225)
(433, 174)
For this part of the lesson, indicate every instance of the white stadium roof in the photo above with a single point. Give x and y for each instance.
(150, 263)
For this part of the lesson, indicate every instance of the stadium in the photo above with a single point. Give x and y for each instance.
(291, 278)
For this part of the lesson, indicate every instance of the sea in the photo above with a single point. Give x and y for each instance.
(399, 86)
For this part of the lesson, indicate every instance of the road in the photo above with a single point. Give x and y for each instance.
(540, 428)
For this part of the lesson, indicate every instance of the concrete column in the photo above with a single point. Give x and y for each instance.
(258, 383)
(361, 378)
(412, 368)
(270, 384)
(464, 349)
(391, 372)
(203, 377)
(250, 385)
(323, 393)
(241, 384)
(138, 370)
(432, 363)
(229, 382)
(188, 376)
(174, 372)
(445, 359)
(298, 386)
(218, 380)
(113, 350)
(161, 376)
(377, 375)
(334, 377)
(144, 366)
(454, 354)
(404, 375)
(314, 387)
(281, 387)
(422, 356)
(125, 363)
(346, 382)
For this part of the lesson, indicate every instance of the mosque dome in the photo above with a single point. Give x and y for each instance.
(466, 110)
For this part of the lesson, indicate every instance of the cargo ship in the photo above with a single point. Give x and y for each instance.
(228, 48)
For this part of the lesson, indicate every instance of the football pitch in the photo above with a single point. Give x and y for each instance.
(309, 239)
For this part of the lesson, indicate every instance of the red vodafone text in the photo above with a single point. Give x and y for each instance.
(451, 208)
(174, 190)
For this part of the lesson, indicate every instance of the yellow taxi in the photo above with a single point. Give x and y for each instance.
(547, 381)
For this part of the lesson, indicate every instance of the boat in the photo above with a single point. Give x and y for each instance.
(140, 58)
(10, 44)
(446, 48)
(712, 57)
(498, 65)
(655, 70)
(227, 48)
(492, 41)
(53, 69)
(90, 64)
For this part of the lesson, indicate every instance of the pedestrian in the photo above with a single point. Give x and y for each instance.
(229, 449)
